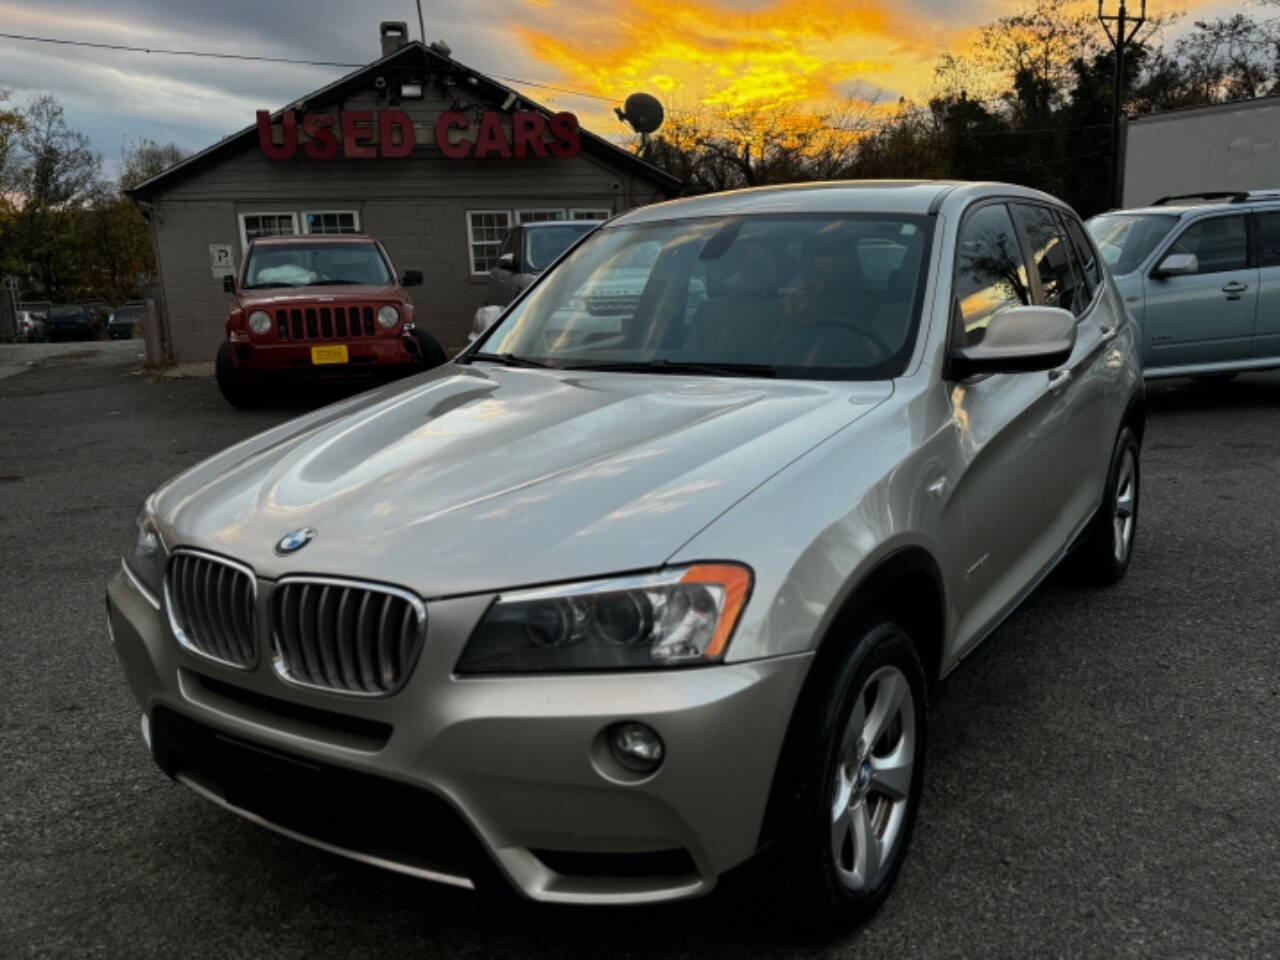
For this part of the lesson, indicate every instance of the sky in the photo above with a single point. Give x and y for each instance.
(730, 53)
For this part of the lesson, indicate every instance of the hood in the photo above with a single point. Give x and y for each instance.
(339, 293)
(475, 478)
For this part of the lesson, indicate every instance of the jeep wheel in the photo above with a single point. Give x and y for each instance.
(858, 765)
(432, 353)
(234, 390)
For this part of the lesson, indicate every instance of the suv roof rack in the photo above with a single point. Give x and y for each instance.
(1231, 196)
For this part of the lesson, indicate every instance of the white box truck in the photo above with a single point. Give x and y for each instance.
(1227, 147)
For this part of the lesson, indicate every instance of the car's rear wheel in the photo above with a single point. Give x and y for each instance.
(432, 353)
(1103, 558)
(235, 391)
(857, 767)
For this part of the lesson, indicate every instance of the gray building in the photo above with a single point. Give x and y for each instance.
(432, 158)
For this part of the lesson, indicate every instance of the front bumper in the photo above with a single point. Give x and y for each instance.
(515, 761)
(381, 356)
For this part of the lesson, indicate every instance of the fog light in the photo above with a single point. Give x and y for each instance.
(636, 746)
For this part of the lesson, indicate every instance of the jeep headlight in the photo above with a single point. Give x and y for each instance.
(677, 617)
(388, 317)
(259, 322)
(144, 554)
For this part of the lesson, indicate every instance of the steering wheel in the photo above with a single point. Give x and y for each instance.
(870, 336)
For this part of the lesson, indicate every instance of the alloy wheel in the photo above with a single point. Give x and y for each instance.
(1126, 505)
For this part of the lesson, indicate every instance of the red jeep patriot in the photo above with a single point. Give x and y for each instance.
(319, 308)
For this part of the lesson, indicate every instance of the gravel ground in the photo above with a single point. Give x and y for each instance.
(1102, 775)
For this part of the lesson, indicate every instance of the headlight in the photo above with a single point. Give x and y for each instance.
(259, 321)
(388, 317)
(673, 618)
(144, 554)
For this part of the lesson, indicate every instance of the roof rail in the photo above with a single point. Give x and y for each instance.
(1231, 196)
(1273, 194)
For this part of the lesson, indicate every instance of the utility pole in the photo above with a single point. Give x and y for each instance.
(1121, 38)
(422, 29)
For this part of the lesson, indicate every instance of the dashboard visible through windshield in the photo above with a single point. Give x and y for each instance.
(310, 264)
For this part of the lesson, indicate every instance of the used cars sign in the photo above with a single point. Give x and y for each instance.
(367, 134)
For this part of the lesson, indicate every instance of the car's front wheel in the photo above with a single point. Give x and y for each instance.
(857, 768)
(234, 390)
(429, 348)
(1103, 558)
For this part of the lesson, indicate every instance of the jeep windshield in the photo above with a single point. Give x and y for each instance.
(1125, 239)
(315, 264)
(812, 296)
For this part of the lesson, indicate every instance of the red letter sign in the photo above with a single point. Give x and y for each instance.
(285, 150)
(568, 142)
(357, 134)
(446, 121)
(492, 138)
(389, 120)
(527, 129)
(322, 142)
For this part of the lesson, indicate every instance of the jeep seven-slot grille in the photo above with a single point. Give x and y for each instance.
(324, 323)
(351, 638)
(212, 607)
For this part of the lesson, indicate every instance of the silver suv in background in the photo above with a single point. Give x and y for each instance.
(601, 611)
(1201, 274)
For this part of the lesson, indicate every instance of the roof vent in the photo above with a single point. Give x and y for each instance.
(440, 47)
(394, 34)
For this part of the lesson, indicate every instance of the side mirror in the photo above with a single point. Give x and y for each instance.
(229, 283)
(1177, 265)
(485, 318)
(411, 278)
(1019, 340)
(507, 262)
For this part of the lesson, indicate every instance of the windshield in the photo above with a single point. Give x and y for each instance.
(543, 244)
(816, 296)
(1126, 239)
(306, 264)
(62, 313)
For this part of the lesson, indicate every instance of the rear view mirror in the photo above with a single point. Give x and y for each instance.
(507, 262)
(412, 278)
(1177, 265)
(484, 318)
(1019, 340)
(229, 283)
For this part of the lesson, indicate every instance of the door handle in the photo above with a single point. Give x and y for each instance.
(1234, 289)
(1059, 379)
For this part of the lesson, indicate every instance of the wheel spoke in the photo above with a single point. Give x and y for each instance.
(866, 845)
(891, 775)
(840, 829)
(853, 730)
(889, 694)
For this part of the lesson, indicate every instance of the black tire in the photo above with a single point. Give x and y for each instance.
(1098, 561)
(432, 353)
(234, 390)
(802, 860)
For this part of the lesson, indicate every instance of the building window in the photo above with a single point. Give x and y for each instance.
(539, 216)
(331, 221)
(266, 225)
(589, 214)
(486, 229)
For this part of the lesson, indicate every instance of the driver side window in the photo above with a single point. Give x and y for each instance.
(991, 272)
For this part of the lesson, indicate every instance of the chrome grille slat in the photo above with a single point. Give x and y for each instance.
(211, 607)
(345, 636)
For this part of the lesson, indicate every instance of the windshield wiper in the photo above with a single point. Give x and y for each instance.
(662, 365)
(267, 286)
(506, 359)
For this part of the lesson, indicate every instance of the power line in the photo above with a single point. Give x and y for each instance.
(263, 59)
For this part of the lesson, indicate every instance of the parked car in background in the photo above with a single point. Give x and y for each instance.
(31, 327)
(324, 307)
(603, 617)
(125, 320)
(1202, 276)
(73, 321)
(528, 250)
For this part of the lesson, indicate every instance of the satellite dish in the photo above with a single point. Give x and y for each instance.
(643, 112)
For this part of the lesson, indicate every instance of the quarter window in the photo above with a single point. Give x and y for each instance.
(266, 225)
(331, 221)
(486, 229)
(991, 274)
(1059, 285)
(1084, 250)
(1219, 244)
(1269, 239)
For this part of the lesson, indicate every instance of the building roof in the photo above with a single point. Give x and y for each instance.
(432, 61)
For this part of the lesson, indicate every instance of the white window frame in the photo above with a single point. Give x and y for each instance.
(244, 233)
(306, 227)
(472, 242)
(520, 221)
(589, 213)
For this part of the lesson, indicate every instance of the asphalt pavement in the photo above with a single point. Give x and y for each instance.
(1103, 776)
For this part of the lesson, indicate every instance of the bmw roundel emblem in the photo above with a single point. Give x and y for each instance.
(295, 540)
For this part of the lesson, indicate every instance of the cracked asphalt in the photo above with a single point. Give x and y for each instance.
(1103, 774)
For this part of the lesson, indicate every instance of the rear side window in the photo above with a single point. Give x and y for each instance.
(1059, 285)
(1219, 243)
(1269, 239)
(991, 274)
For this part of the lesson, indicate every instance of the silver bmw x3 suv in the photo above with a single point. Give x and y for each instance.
(613, 603)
